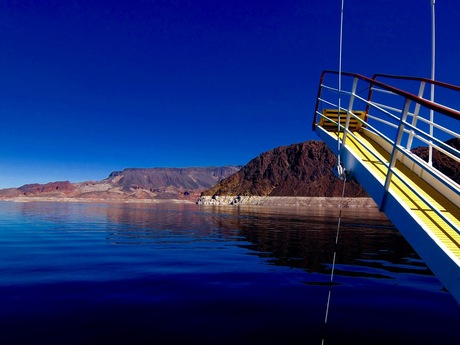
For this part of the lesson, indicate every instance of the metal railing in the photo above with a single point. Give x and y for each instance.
(400, 119)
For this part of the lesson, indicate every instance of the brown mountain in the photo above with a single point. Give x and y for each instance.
(132, 183)
(304, 169)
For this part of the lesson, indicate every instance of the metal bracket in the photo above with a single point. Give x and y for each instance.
(341, 172)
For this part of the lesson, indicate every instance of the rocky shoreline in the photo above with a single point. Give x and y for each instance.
(94, 200)
(287, 201)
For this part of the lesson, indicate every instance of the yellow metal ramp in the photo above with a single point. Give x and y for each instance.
(426, 216)
(374, 146)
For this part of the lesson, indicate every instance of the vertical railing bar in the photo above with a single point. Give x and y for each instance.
(349, 111)
(394, 151)
(416, 113)
(433, 65)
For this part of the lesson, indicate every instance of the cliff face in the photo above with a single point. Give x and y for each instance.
(170, 178)
(304, 169)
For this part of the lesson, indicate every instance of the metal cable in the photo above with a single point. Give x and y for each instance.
(333, 261)
(341, 175)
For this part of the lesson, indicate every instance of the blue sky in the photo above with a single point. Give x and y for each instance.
(89, 87)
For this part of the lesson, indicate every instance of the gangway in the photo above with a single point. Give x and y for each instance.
(384, 118)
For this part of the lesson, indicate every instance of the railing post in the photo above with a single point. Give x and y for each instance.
(394, 151)
(416, 112)
(433, 64)
(320, 90)
(349, 110)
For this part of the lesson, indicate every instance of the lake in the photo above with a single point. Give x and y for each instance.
(180, 273)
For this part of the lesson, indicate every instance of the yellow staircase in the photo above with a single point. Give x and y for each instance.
(330, 119)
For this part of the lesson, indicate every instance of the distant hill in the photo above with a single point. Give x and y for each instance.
(163, 179)
(132, 183)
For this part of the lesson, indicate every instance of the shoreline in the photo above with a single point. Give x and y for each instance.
(294, 201)
(291, 201)
(93, 200)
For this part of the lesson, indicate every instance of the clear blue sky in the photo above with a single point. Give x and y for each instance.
(89, 87)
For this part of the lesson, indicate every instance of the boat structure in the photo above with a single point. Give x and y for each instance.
(372, 124)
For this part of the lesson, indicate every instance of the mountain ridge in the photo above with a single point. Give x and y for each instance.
(132, 183)
(297, 170)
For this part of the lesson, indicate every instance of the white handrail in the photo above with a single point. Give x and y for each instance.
(383, 108)
(403, 180)
(390, 117)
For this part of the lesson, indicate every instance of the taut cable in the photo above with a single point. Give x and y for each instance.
(334, 259)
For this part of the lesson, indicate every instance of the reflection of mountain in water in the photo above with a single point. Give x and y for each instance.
(302, 238)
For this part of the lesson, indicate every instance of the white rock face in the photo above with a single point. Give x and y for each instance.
(287, 201)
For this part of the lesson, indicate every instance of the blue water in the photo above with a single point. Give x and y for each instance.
(167, 273)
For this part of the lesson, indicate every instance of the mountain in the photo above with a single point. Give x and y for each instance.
(304, 169)
(132, 183)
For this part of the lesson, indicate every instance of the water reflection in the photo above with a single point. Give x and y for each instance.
(294, 237)
(298, 237)
(186, 273)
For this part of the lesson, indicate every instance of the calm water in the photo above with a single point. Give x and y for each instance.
(73, 273)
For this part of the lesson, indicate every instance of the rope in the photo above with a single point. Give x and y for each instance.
(333, 260)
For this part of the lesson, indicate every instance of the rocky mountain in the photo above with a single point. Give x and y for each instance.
(175, 179)
(132, 183)
(304, 169)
